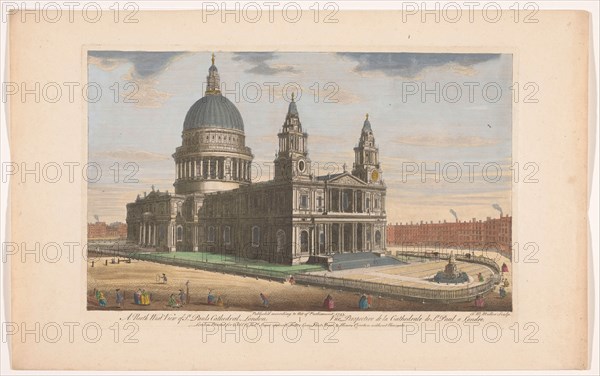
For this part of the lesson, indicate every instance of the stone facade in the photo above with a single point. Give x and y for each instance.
(287, 220)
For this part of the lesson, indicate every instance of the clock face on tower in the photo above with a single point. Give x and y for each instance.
(374, 175)
(301, 166)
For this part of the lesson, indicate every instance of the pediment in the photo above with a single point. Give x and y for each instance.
(347, 179)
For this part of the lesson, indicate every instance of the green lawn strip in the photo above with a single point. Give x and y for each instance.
(214, 258)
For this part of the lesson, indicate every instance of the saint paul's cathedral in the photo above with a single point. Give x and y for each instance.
(291, 219)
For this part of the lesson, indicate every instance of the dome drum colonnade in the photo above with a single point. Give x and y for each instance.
(213, 155)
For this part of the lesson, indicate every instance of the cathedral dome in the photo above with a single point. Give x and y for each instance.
(213, 111)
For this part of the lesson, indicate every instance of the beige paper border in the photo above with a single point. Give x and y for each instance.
(552, 213)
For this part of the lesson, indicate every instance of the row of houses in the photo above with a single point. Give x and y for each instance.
(493, 233)
(102, 230)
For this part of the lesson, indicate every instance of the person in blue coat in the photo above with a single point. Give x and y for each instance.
(363, 303)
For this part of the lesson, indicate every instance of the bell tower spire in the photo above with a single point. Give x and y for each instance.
(366, 156)
(291, 161)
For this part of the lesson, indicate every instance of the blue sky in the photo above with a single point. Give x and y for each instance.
(334, 92)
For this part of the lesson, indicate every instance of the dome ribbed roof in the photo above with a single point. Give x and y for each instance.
(213, 111)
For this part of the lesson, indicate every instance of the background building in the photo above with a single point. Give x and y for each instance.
(100, 230)
(493, 234)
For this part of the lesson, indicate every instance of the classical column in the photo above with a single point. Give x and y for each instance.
(342, 249)
(228, 169)
(354, 229)
(169, 238)
(140, 242)
(208, 175)
(154, 234)
(194, 168)
(195, 238)
(201, 168)
(143, 234)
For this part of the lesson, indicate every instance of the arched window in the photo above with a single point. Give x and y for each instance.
(255, 236)
(227, 235)
(304, 241)
(179, 233)
(378, 238)
(280, 241)
(211, 234)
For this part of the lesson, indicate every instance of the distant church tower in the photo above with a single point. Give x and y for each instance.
(366, 157)
(292, 160)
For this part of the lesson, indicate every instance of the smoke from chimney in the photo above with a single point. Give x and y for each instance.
(454, 214)
(497, 207)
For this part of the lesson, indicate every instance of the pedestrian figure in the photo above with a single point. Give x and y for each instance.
(479, 302)
(504, 268)
(211, 298)
(265, 300)
(362, 302)
(119, 298)
(502, 292)
(137, 297)
(328, 303)
(369, 300)
(181, 296)
(101, 299)
(145, 298)
(187, 292)
(173, 302)
(92, 264)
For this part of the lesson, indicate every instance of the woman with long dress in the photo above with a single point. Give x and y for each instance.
(101, 300)
(362, 302)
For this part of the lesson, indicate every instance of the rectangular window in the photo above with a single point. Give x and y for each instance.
(345, 201)
(304, 202)
(319, 203)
